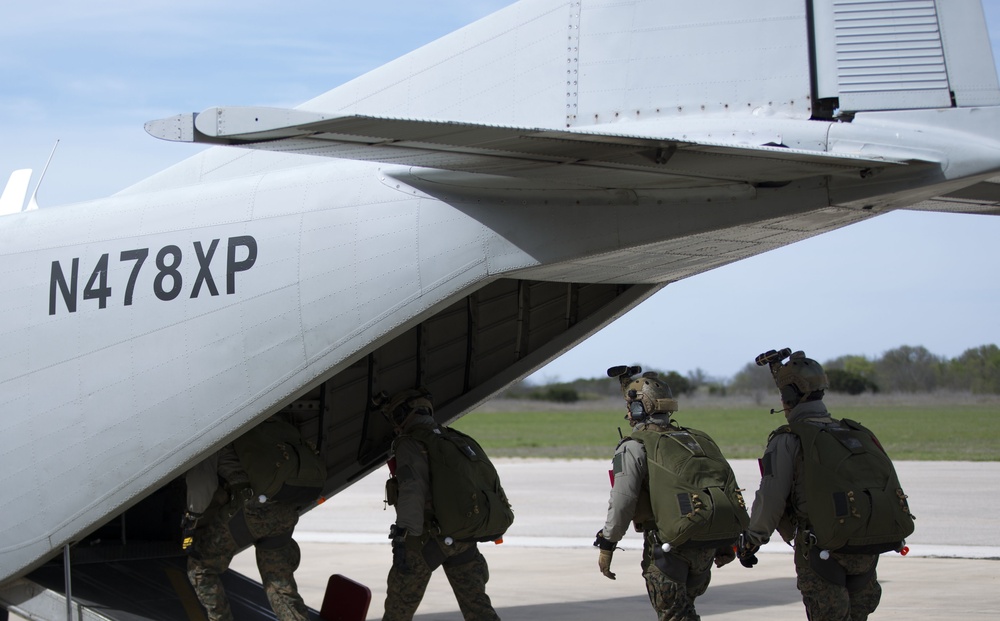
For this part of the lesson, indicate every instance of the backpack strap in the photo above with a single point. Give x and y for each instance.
(779, 431)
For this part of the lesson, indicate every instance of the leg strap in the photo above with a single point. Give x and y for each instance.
(462, 558)
(834, 573)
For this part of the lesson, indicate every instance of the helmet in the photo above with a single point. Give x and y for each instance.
(800, 378)
(405, 402)
(648, 395)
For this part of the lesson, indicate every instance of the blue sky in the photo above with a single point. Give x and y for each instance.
(91, 73)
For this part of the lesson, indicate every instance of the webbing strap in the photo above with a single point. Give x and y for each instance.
(834, 573)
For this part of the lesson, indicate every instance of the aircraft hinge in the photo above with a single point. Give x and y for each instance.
(663, 154)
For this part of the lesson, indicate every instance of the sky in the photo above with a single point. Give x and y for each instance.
(90, 74)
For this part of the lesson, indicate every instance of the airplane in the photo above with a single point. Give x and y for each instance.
(454, 219)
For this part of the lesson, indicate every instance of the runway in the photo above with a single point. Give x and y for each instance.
(547, 568)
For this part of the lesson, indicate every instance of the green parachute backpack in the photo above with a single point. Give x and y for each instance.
(280, 464)
(856, 504)
(469, 502)
(692, 489)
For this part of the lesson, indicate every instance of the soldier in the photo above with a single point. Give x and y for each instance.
(418, 548)
(676, 567)
(238, 517)
(780, 502)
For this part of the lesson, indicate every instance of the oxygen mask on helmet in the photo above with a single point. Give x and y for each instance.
(636, 410)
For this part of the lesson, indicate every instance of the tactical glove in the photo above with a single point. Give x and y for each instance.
(725, 555)
(604, 563)
(239, 495)
(607, 551)
(398, 537)
(746, 550)
(189, 523)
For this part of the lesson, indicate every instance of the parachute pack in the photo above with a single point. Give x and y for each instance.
(280, 464)
(469, 502)
(692, 488)
(856, 504)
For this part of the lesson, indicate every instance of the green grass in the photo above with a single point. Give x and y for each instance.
(961, 432)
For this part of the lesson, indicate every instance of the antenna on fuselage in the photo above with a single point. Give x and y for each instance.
(32, 202)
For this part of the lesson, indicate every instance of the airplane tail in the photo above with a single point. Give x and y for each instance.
(728, 72)
(578, 63)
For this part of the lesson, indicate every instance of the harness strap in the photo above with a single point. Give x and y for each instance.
(834, 573)
(432, 553)
(461, 559)
(435, 557)
(240, 531)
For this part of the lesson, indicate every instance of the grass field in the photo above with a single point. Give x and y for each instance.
(956, 432)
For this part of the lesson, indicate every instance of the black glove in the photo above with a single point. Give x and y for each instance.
(746, 550)
(189, 523)
(239, 495)
(398, 537)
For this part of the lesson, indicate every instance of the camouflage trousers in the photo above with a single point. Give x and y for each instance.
(269, 527)
(675, 579)
(850, 593)
(464, 567)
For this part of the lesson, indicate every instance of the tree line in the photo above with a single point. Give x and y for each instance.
(906, 369)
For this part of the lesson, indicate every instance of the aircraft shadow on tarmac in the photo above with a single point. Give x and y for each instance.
(719, 599)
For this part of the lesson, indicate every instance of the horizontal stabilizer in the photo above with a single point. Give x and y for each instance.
(519, 152)
(982, 198)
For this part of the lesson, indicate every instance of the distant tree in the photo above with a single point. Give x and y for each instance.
(560, 393)
(977, 369)
(848, 382)
(717, 389)
(856, 365)
(697, 379)
(753, 379)
(909, 369)
(679, 385)
(518, 390)
(597, 387)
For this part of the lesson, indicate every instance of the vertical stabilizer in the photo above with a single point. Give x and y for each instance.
(581, 63)
(12, 199)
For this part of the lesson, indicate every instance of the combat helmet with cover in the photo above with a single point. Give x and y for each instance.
(401, 405)
(646, 395)
(798, 380)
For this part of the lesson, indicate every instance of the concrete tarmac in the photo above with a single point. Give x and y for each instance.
(547, 567)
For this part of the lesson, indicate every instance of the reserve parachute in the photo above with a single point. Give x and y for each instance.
(856, 504)
(469, 502)
(692, 488)
(280, 464)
